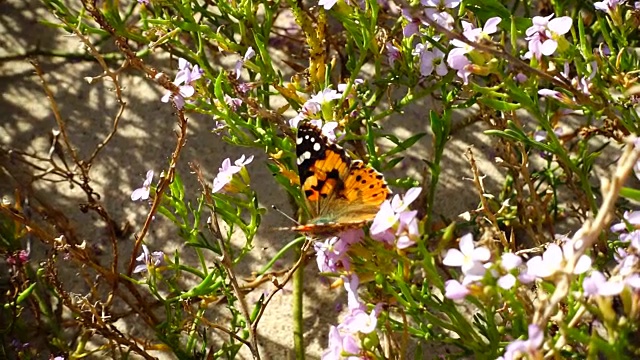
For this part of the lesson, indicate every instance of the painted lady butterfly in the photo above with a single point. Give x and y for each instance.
(340, 193)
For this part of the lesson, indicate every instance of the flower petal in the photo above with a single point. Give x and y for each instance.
(560, 25)
(583, 264)
(453, 258)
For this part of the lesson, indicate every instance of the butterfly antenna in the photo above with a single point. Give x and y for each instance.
(285, 215)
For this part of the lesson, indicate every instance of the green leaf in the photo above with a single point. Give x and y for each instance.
(25, 294)
(403, 145)
(168, 214)
(256, 309)
(177, 187)
(498, 104)
(630, 193)
(518, 95)
(485, 9)
(393, 162)
(217, 90)
(21, 297)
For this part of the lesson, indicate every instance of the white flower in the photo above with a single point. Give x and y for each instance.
(469, 258)
(510, 261)
(554, 259)
(142, 193)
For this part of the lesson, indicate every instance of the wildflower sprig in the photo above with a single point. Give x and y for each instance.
(546, 98)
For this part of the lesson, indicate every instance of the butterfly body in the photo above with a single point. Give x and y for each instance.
(340, 193)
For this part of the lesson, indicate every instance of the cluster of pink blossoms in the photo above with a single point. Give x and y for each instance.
(393, 225)
(626, 276)
(319, 106)
(545, 33)
(227, 171)
(544, 37)
(345, 338)
(474, 263)
(185, 78)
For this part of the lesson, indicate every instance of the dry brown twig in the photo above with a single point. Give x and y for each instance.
(162, 187)
(107, 73)
(486, 209)
(164, 81)
(225, 261)
(93, 204)
(89, 318)
(588, 234)
(289, 274)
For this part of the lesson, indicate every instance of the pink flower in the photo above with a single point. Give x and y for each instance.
(327, 4)
(507, 281)
(436, 11)
(186, 76)
(458, 61)
(226, 172)
(400, 204)
(430, 60)
(18, 258)
(554, 259)
(526, 347)
(476, 34)
(457, 58)
(454, 290)
(248, 55)
(598, 284)
(408, 232)
(543, 35)
(351, 284)
(342, 87)
(393, 53)
(550, 93)
(413, 24)
(242, 162)
(608, 6)
(631, 217)
(469, 258)
(232, 103)
(343, 339)
(520, 78)
(187, 73)
(441, 4)
(148, 260)
(142, 193)
(341, 344)
(385, 219)
(358, 321)
(508, 262)
(393, 215)
(331, 255)
(325, 96)
(225, 175)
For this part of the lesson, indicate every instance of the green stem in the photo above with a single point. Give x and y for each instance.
(298, 321)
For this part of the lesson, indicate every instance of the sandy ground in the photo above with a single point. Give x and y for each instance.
(145, 140)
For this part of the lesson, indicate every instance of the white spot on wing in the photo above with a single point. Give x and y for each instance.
(304, 156)
(317, 147)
